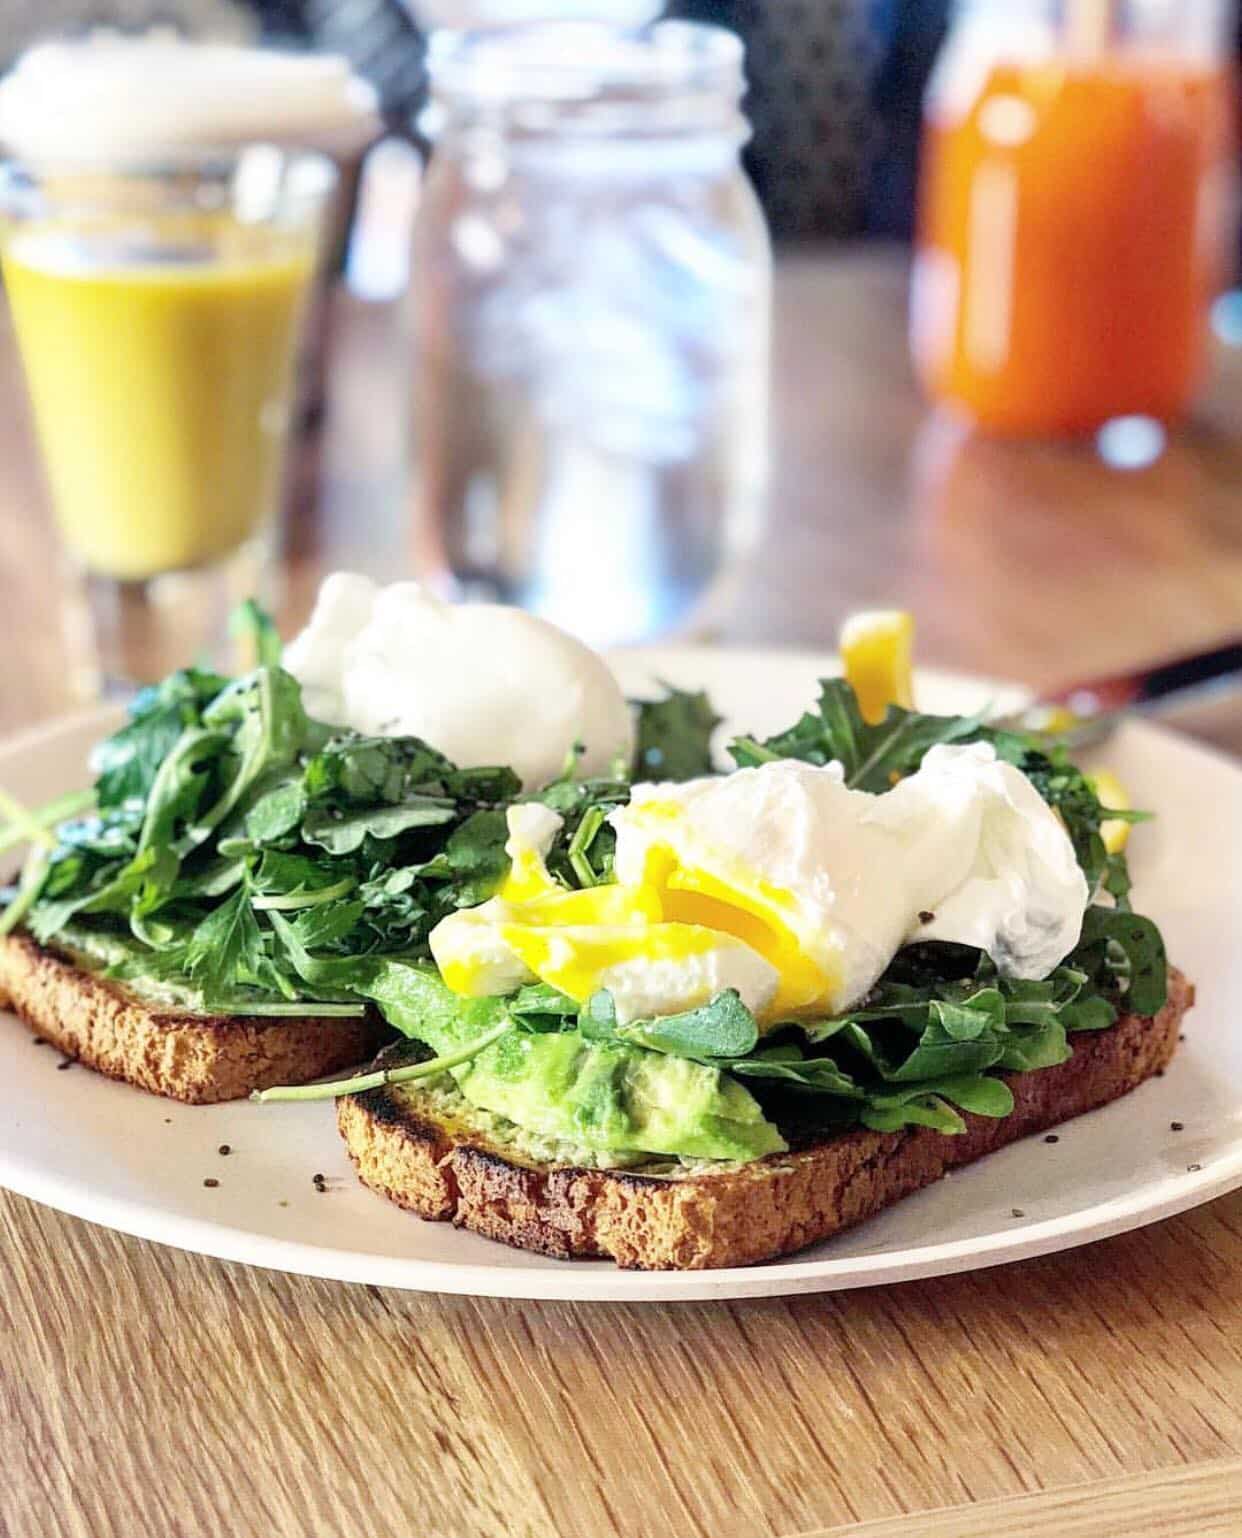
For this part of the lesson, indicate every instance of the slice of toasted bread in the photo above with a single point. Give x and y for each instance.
(439, 1158)
(175, 1052)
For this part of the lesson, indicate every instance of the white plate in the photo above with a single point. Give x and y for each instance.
(113, 1155)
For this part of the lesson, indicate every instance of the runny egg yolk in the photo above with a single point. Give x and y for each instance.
(734, 900)
(578, 958)
(674, 935)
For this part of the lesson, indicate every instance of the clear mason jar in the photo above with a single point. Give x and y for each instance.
(592, 280)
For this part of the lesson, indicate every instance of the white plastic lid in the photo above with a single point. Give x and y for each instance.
(114, 99)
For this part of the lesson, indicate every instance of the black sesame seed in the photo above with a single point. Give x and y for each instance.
(1193, 1169)
(1177, 1126)
(925, 917)
(40, 1041)
(211, 1181)
(224, 1149)
(1018, 1212)
(318, 1179)
(168, 1121)
(66, 1062)
(1182, 1037)
(1160, 1073)
(1052, 1138)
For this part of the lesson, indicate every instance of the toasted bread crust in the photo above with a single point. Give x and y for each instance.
(196, 1058)
(748, 1213)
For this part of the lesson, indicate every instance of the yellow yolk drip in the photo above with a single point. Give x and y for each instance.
(751, 910)
(674, 912)
(528, 875)
(575, 958)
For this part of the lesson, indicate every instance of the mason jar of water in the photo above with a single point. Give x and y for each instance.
(592, 283)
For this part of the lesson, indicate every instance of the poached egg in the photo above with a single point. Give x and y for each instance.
(482, 683)
(782, 882)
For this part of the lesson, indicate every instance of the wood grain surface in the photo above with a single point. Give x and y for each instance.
(146, 1391)
(1187, 1503)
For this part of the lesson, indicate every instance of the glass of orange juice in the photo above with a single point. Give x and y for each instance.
(157, 312)
(1075, 206)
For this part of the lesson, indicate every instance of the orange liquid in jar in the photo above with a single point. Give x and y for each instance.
(1070, 231)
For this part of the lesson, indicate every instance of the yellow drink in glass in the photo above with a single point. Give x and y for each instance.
(158, 316)
(160, 391)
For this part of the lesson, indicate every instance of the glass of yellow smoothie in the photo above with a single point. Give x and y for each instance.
(157, 312)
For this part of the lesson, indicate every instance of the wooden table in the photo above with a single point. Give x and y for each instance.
(1097, 1392)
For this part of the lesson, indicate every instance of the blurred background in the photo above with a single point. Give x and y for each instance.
(974, 352)
(835, 86)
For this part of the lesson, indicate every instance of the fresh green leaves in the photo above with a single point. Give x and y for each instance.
(277, 813)
(931, 1104)
(341, 832)
(873, 757)
(1125, 954)
(253, 624)
(473, 862)
(257, 857)
(722, 1028)
(923, 1047)
(125, 765)
(267, 863)
(224, 942)
(673, 736)
(788, 1069)
(353, 770)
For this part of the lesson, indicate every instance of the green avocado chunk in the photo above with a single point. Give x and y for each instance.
(604, 1095)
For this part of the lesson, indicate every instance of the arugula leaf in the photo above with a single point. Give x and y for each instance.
(125, 764)
(473, 859)
(597, 1020)
(279, 872)
(214, 879)
(343, 832)
(578, 852)
(673, 736)
(251, 622)
(1142, 967)
(543, 999)
(494, 784)
(936, 1054)
(1093, 1013)
(178, 788)
(415, 1000)
(352, 973)
(822, 1075)
(327, 923)
(874, 757)
(575, 855)
(150, 871)
(722, 1028)
(362, 770)
(1039, 1046)
(276, 813)
(930, 1104)
(228, 938)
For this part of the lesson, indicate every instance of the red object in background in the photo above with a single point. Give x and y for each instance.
(1072, 228)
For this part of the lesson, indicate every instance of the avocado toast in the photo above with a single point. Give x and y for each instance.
(679, 1016)
(434, 1154)
(163, 1040)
